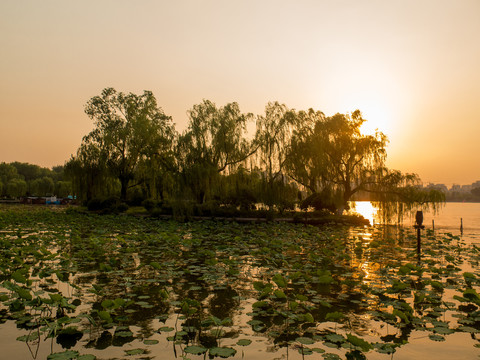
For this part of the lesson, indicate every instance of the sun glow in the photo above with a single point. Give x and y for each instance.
(366, 209)
(378, 119)
(377, 106)
(377, 114)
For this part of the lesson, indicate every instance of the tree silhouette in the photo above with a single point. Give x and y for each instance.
(128, 128)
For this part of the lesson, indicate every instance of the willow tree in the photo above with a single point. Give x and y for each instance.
(396, 194)
(16, 188)
(8, 173)
(303, 161)
(273, 135)
(43, 186)
(88, 174)
(351, 159)
(213, 143)
(128, 128)
(334, 161)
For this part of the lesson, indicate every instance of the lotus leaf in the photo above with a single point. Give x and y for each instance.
(356, 341)
(335, 338)
(223, 352)
(330, 356)
(305, 340)
(66, 355)
(244, 342)
(135, 352)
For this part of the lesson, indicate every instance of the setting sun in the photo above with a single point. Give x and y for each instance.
(378, 119)
(366, 209)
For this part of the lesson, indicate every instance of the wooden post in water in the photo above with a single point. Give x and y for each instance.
(418, 241)
(461, 226)
(418, 225)
(433, 225)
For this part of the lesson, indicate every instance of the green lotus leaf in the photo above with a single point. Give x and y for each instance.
(335, 338)
(435, 337)
(223, 352)
(166, 329)
(260, 304)
(334, 316)
(443, 330)
(66, 355)
(468, 329)
(105, 315)
(325, 279)
(18, 276)
(135, 351)
(30, 337)
(305, 340)
(106, 304)
(279, 280)
(437, 285)
(330, 356)
(87, 357)
(24, 293)
(305, 351)
(356, 341)
(124, 333)
(150, 342)
(244, 342)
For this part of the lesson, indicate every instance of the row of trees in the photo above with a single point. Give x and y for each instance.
(134, 152)
(463, 196)
(23, 179)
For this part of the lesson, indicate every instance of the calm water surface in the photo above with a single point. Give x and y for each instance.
(370, 264)
(448, 217)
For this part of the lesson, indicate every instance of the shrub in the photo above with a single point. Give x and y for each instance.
(122, 207)
(149, 204)
(135, 197)
(110, 203)
(106, 206)
(319, 201)
(95, 204)
(270, 216)
(298, 216)
(182, 210)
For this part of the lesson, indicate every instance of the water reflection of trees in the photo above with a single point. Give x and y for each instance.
(189, 276)
(356, 276)
(355, 273)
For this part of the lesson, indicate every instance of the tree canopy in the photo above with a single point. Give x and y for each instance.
(19, 179)
(213, 143)
(128, 128)
(135, 152)
(350, 159)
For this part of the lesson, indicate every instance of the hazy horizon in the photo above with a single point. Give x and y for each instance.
(410, 67)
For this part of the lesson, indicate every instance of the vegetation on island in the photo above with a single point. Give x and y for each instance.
(294, 158)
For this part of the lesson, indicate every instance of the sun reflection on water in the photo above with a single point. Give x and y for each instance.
(366, 209)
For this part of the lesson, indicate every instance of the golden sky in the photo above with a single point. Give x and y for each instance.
(411, 66)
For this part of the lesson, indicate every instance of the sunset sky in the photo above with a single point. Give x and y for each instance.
(411, 67)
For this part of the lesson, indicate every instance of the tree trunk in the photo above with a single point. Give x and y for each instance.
(347, 194)
(123, 191)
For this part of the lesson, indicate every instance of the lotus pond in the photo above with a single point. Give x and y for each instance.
(82, 286)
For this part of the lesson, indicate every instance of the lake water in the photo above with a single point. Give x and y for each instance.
(369, 278)
(449, 217)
